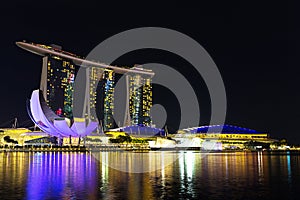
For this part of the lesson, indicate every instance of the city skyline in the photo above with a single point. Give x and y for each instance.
(59, 72)
(253, 44)
(205, 103)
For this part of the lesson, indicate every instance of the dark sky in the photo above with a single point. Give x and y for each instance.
(255, 45)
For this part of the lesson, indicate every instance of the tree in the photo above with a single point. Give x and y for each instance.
(121, 139)
(124, 138)
(8, 140)
(283, 141)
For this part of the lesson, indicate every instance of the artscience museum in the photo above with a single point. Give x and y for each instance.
(53, 124)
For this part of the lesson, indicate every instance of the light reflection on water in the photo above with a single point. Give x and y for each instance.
(240, 175)
(60, 174)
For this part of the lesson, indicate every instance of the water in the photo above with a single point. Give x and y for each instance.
(57, 175)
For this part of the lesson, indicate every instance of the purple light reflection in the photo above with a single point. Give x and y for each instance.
(61, 176)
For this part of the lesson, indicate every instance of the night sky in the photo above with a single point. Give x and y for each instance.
(254, 44)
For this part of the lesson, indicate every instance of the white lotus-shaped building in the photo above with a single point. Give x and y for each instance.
(53, 124)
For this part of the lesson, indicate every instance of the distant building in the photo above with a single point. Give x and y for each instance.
(57, 84)
(59, 72)
(140, 99)
(147, 101)
(229, 136)
(140, 131)
(108, 103)
(58, 75)
(95, 76)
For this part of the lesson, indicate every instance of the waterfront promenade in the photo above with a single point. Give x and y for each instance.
(48, 148)
(121, 147)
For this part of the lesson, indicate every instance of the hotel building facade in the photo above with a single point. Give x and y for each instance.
(59, 71)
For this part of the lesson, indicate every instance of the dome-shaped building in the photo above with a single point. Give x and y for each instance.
(141, 130)
(221, 129)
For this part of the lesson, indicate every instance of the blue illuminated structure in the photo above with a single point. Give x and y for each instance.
(141, 130)
(224, 129)
(151, 131)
